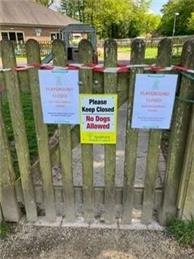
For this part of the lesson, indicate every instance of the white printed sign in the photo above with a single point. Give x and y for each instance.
(59, 92)
(153, 101)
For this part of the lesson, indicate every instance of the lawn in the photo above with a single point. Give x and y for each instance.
(21, 60)
(30, 127)
(150, 52)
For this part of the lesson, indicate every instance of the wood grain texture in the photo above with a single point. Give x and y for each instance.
(17, 117)
(65, 143)
(163, 60)
(33, 57)
(178, 136)
(8, 201)
(137, 57)
(85, 51)
(110, 87)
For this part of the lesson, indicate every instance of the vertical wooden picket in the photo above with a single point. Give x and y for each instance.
(65, 144)
(163, 60)
(137, 57)
(185, 201)
(13, 93)
(186, 194)
(8, 201)
(1, 214)
(180, 164)
(178, 138)
(187, 171)
(110, 87)
(33, 57)
(86, 87)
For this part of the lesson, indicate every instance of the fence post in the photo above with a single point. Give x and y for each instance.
(86, 87)
(8, 201)
(17, 117)
(185, 202)
(137, 57)
(1, 215)
(163, 60)
(65, 143)
(178, 137)
(110, 87)
(33, 57)
(186, 190)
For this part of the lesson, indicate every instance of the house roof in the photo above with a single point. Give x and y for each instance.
(28, 13)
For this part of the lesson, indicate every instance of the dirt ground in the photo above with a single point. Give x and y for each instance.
(29, 242)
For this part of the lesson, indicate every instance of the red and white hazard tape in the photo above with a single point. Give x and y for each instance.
(100, 68)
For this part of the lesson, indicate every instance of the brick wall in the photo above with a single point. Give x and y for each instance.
(30, 32)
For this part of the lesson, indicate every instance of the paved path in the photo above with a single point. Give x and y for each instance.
(27, 242)
(120, 153)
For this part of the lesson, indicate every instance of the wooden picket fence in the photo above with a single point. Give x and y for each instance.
(47, 187)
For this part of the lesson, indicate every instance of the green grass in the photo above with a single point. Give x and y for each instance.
(124, 49)
(182, 231)
(4, 230)
(150, 52)
(29, 124)
(21, 59)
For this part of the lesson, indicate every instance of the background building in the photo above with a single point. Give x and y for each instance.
(21, 20)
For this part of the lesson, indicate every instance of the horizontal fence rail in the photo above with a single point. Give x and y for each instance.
(46, 172)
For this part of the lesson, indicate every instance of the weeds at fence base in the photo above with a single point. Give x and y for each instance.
(182, 231)
(4, 230)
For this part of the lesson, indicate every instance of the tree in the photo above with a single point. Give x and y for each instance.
(113, 18)
(184, 8)
(191, 23)
(105, 15)
(151, 23)
(74, 8)
(142, 22)
(46, 3)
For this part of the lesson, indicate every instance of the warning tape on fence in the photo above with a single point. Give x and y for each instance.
(120, 68)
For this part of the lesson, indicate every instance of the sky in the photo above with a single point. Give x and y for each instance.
(156, 5)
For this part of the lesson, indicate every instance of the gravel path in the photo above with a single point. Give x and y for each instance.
(27, 242)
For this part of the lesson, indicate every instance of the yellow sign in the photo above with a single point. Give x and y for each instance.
(98, 118)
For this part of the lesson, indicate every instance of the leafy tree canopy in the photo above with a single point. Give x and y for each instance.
(184, 19)
(191, 23)
(113, 18)
(46, 3)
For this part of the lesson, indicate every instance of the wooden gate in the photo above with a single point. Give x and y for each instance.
(127, 182)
